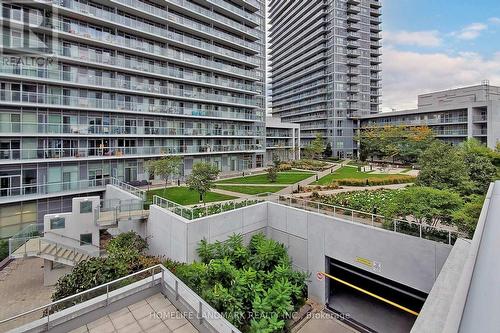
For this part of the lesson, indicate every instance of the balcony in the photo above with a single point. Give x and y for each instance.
(58, 129)
(480, 132)
(120, 85)
(17, 98)
(35, 191)
(155, 11)
(480, 119)
(71, 154)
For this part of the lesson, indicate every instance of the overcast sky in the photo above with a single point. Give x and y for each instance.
(437, 44)
(431, 45)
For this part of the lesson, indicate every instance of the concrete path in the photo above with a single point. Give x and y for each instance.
(289, 189)
(22, 289)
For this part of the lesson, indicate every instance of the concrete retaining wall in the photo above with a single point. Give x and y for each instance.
(310, 238)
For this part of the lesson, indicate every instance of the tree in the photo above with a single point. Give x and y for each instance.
(466, 218)
(401, 143)
(315, 148)
(328, 150)
(478, 159)
(202, 178)
(166, 167)
(272, 174)
(442, 167)
(427, 205)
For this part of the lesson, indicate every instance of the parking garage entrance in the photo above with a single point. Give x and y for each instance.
(353, 293)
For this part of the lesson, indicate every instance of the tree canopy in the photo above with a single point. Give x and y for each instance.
(202, 178)
(165, 167)
(315, 148)
(400, 143)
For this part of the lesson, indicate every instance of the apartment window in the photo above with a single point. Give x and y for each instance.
(85, 207)
(85, 239)
(57, 223)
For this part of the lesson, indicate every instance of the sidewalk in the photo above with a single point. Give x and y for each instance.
(289, 189)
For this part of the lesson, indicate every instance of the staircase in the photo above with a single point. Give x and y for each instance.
(48, 249)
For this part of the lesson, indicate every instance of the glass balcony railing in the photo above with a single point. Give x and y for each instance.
(85, 9)
(122, 41)
(55, 188)
(238, 11)
(147, 67)
(99, 152)
(16, 97)
(105, 82)
(86, 129)
(168, 55)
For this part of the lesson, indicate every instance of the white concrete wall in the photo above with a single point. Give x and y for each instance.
(75, 225)
(309, 237)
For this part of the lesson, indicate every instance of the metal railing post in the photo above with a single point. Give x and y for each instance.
(107, 294)
(420, 230)
(176, 289)
(200, 309)
(352, 215)
(334, 211)
(449, 237)
(395, 223)
(373, 220)
(152, 276)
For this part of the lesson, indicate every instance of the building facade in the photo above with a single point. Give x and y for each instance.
(325, 59)
(282, 140)
(94, 89)
(454, 115)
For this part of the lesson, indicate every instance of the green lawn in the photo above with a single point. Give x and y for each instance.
(288, 177)
(350, 173)
(184, 196)
(251, 189)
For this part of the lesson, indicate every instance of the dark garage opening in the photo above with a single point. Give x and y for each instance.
(365, 312)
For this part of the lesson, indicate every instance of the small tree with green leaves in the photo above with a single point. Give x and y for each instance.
(328, 150)
(272, 174)
(315, 148)
(202, 178)
(166, 167)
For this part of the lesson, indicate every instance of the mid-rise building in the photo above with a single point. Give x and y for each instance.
(94, 89)
(282, 140)
(325, 59)
(454, 115)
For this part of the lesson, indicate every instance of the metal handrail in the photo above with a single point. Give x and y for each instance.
(373, 217)
(129, 188)
(175, 286)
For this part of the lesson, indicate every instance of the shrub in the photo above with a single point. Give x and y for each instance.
(4, 249)
(376, 181)
(310, 165)
(126, 255)
(247, 283)
(284, 167)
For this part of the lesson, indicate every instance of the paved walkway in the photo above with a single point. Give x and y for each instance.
(155, 314)
(289, 189)
(22, 289)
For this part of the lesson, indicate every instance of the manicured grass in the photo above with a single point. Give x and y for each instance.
(289, 177)
(251, 189)
(184, 196)
(350, 173)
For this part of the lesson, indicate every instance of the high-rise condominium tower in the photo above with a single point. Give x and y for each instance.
(325, 57)
(93, 89)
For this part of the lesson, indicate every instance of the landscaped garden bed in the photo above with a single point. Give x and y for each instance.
(350, 176)
(312, 165)
(254, 286)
